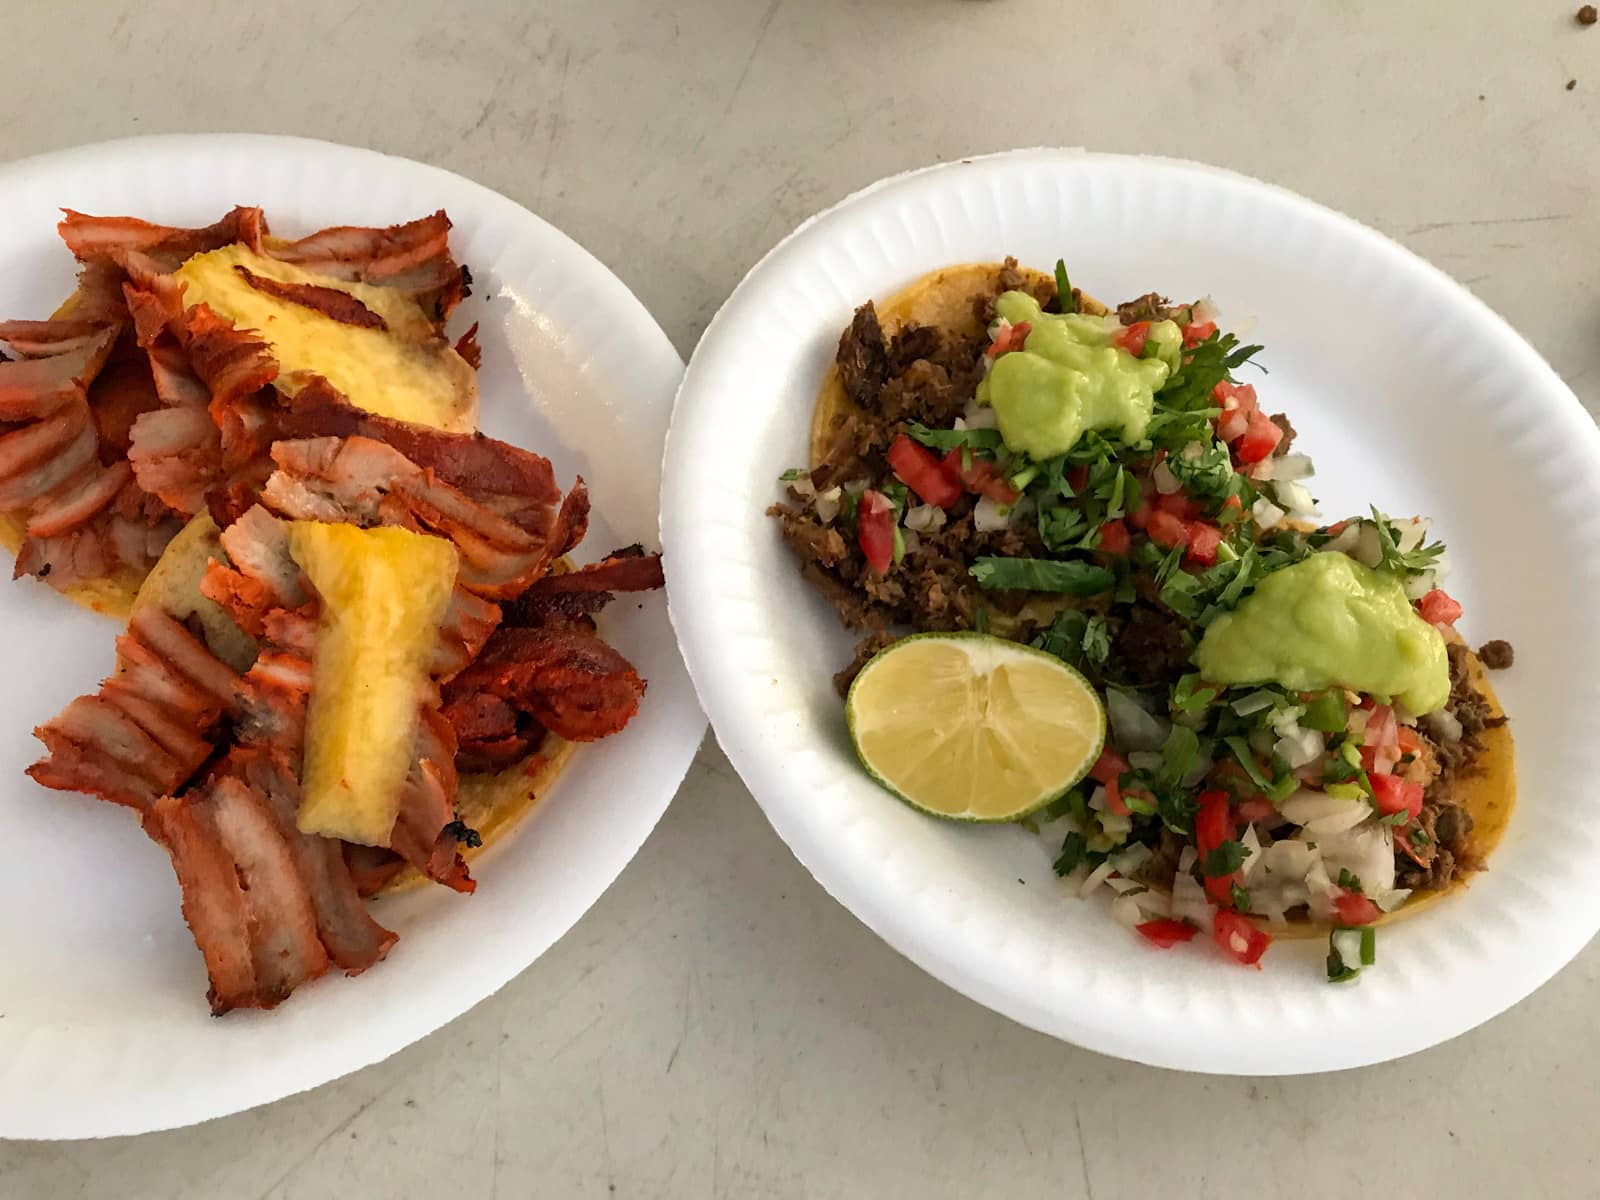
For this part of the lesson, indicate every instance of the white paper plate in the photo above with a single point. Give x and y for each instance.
(104, 1027)
(1408, 392)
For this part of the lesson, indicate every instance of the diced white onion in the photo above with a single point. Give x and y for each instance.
(1418, 586)
(1132, 728)
(1189, 901)
(1347, 943)
(1409, 534)
(1125, 910)
(1292, 467)
(1131, 859)
(1295, 497)
(1366, 851)
(989, 516)
(1267, 514)
(1443, 725)
(1166, 482)
(1391, 899)
(1096, 877)
(826, 504)
(925, 518)
(1300, 747)
(1155, 904)
(856, 486)
(1097, 799)
(1255, 702)
(979, 416)
(1319, 812)
(803, 486)
(1368, 549)
(1251, 841)
(1344, 541)
(910, 540)
(1203, 310)
(1122, 885)
(1115, 824)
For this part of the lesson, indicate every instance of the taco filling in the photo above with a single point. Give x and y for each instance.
(1297, 737)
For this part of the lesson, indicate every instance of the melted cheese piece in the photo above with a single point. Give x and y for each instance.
(383, 593)
(406, 371)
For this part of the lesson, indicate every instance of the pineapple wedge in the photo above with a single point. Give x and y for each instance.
(400, 369)
(383, 592)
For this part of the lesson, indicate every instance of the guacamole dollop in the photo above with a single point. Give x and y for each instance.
(1069, 378)
(1330, 621)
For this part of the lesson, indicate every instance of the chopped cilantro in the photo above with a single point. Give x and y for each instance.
(1403, 562)
(1041, 575)
(1207, 365)
(1225, 859)
(1247, 760)
(1208, 474)
(1072, 853)
(1240, 898)
(1349, 881)
(1421, 837)
(1097, 641)
(794, 473)
(950, 439)
(1179, 753)
(1189, 695)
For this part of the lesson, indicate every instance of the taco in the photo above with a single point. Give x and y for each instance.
(1299, 739)
(132, 401)
(356, 650)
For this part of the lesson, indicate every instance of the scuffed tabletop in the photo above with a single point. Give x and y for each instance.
(716, 1025)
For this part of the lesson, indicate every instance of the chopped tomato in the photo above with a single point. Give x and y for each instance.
(1078, 478)
(1213, 825)
(1356, 910)
(1438, 608)
(1239, 939)
(1204, 538)
(1108, 768)
(1167, 530)
(1009, 337)
(1256, 808)
(1132, 337)
(923, 473)
(1408, 740)
(1196, 332)
(1114, 537)
(1336, 528)
(1232, 510)
(1261, 438)
(980, 477)
(1179, 505)
(1166, 933)
(875, 529)
(1393, 794)
(1237, 401)
(1231, 396)
(1139, 515)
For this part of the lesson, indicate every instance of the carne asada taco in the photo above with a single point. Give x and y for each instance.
(1298, 739)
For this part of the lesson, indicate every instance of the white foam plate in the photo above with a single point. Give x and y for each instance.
(104, 1027)
(1409, 393)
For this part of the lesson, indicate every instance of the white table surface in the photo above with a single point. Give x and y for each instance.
(717, 1026)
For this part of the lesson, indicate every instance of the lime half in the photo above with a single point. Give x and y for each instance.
(972, 727)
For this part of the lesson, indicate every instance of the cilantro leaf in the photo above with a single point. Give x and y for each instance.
(1208, 473)
(1041, 575)
(1240, 898)
(1179, 753)
(950, 439)
(1225, 859)
(1072, 851)
(1403, 562)
(1207, 365)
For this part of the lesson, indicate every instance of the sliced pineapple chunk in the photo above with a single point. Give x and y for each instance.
(383, 593)
(397, 368)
